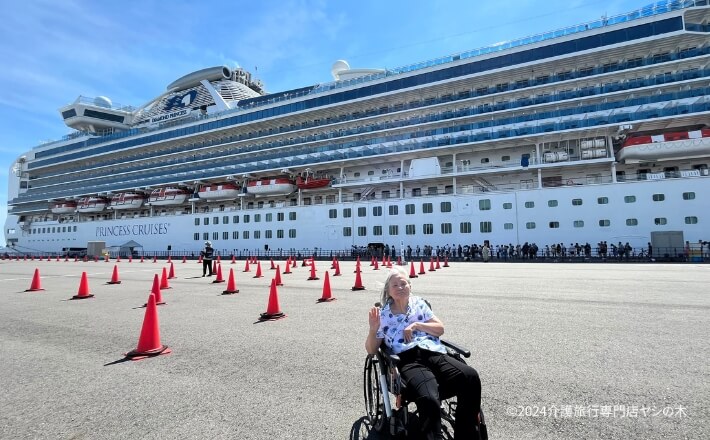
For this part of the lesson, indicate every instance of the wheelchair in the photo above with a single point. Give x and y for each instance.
(386, 404)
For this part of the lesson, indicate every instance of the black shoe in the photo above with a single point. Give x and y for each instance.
(203, 275)
(209, 275)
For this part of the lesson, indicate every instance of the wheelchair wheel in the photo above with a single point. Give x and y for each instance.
(448, 417)
(374, 405)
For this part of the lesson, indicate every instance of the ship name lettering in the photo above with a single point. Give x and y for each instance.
(135, 230)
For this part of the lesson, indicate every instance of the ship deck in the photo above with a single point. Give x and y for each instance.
(564, 335)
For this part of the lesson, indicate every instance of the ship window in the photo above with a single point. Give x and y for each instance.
(361, 212)
(602, 200)
(215, 236)
(552, 203)
(205, 235)
(484, 204)
(632, 222)
(507, 206)
(347, 231)
(235, 235)
(529, 204)
(196, 236)
(225, 220)
(629, 199)
(428, 228)
(578, 223)
(465, 227)
(292, 217)
(544, 79)
(197, 221)
(394, 210)
(554, 225)
(660, 221)
(620, 176)
(246, 218)
(692, 220)
(385, 194)
(634, 62)
(332, 213)
(659, 197)
(357, 174)
(268, 233)
(306, 201)
(409, 208)
(394, 230)
(445, 207)
(486, 227)
(362, 231)
(446, 228)
(377, 230)
(432, 190)
(245, 235)
(260, 204)
(604, 223)
(269, 217)
(410, 229)
(530, 225)
(427, 208)
(206, 221)
(416, 192)
(279, 233)
(507, 226)
(481, 90)
(370, 173)
(576, 202)
(688, 195)
(225, 235)
(279, 217)
(257, 218)
(485, 160)
(449, 189)
(347, 212)
(257, 234)
(505, 158)
(377, 211)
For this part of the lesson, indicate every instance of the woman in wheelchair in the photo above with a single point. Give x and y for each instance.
(410, 330)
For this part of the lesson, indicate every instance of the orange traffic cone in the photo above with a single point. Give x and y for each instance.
(130, 258)
(389, 263)
(335, 262)
(219, 259)
(446, 261)
(372, 261)
(326, 290)
(412, 273)
(287, 269)
(278, 276)
(234, 260)
(231, 284)
(57, 259)
(155, 291)
(293, 262)
(438, 266)
(149, 340)
(171, 272)
(164, 280)
(421, 268)
(199, 260)
(357, 265)
(118, 259)
(313, 271)
(155, 258)
(337, 269)
(376, 266)
(358, 282)
(215, 264)
(399, 261)
(246, 265)
(106, 258)
(431, 265)
(258, 270)
(114, 276)
(184, 259)
(273, 310)
(273, 267)
(83, 292)
(36, 283)
(220, 278)
(170, 259)
(142, 261)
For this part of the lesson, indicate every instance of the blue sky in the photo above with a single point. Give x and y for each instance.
(54, 51)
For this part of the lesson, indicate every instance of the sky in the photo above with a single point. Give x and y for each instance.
(53, 51)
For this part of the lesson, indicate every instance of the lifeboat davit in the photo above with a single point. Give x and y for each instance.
(672, 145)
(92, 204)
(271, 187)
(66, 207)
(127, 200)
(219, 191)
(311, 182)
(167, 196)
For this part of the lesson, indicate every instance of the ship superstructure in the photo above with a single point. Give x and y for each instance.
(568, 136)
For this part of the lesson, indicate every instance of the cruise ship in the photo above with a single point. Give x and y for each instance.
(591, 133)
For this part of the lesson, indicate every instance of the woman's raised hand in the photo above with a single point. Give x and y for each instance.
(374, 318)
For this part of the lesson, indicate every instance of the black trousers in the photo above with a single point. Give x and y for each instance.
(429, 376)
(206, 267)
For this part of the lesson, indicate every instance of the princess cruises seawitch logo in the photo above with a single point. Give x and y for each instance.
(134, 230)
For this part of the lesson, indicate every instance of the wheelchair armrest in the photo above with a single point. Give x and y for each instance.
(388, 356)
(460, 350)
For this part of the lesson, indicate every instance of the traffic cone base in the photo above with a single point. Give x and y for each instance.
(271, 316)
(273, 310)
(231, 284)
(140, 355)
(149, 344)
(83, 292)
(114, 277)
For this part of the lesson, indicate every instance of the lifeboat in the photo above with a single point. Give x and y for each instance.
(92, 204)
(127, 200)
(271, 186)
(219, 191)
(167, 196)
(66, 207)
(311, 182)
(672, 145)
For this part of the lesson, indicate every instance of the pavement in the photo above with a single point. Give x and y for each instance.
(564, 351)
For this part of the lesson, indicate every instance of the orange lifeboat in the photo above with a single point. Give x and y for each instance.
(167, 196)
(65, 207)
(127, 200)
(271, 186)
(219, 191)
(92, 204)
(312, 182)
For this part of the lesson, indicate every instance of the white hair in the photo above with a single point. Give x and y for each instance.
(385, 298)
